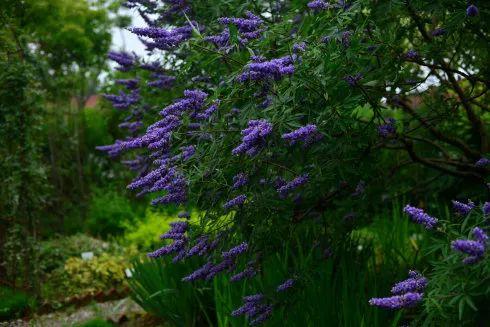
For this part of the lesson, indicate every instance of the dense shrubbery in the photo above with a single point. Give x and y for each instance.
(14, 304)
(289, 124)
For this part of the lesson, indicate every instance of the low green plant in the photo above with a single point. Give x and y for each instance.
(97, 322)
(157, 287)
(53, 253)
(145, 233)
(109, 213)
(14, 304)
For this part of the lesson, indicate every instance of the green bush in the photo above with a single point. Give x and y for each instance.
(145, 233)
(14, 304)
(54, 252)
(108, 213)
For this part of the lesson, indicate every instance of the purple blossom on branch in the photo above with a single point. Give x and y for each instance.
(463, 208)
(318, 5)
(420, 217)
(387, 129)
(263, 70)
(415, 283)
(292, 185)
(482, 163)
(287, 284)
(248, 27)
(235, 202)
(472, 11)
(253, 137)
(308, 135)
(474, 250)
(239, 180)
(124, 59)
(398, 301)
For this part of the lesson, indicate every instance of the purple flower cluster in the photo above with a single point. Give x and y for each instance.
(221, 40)
(299, 47)
(387, 129)
(472, 11)
(209, 270)
(248, 272)
(254, 309)
(239, 180)
(158, 140)
(253, 137)
(161, 81)
(287, 284)
(474, 249)
(482, 163)
(308, 135)
(463, 208)
(130, 84)
(131, 126)
(162, 38)
(177, 234)
(407, 293)
(262, 70)
(420, 217)
(486, 208)
(124, 59)
(406, 300)
(235, 202)
(411, 54)
(288, 187)
(415, 283)
(249, 28)
(318, 5)
(123, 100)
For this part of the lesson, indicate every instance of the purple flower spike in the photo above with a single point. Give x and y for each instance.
(292, 185)
(480, 235)
(317, 5)
(463, 208)
(388, 129)
(253, 137)
(472, 248)
(397, 302)
(235, 251)
(239, 180)
(286, 285)
(482, 163)
(420, 217)
(248, 272)
(416, 283)
(308, 135)
(411, 54)
(486, 208)
(472, 11)
(235, 202)
(261, 70)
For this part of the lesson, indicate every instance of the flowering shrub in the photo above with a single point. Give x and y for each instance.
(275, 117)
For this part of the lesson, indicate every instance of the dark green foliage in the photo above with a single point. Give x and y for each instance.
(157, 287)
(108, 213)
(14, 304)
(97, 322)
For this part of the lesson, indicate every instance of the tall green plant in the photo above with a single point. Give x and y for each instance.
(157, 287)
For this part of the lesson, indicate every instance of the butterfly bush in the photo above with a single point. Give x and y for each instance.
(270, 118)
